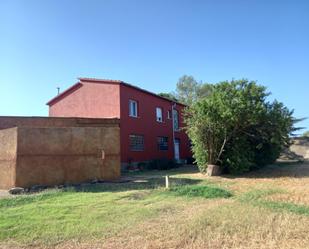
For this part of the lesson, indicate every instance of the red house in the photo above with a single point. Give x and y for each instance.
(148, 123)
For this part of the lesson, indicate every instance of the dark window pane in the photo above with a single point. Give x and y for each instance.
(162, 143)
(136, 143)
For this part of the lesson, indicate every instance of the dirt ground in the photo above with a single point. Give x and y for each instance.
(4, 193)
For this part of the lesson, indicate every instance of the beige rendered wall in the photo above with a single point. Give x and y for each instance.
(8, 147)
(58, 155)
(11, 121)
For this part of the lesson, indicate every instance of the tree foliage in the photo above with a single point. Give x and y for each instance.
(237, 128)
(306, 134)
(169, 96)
(188, 90)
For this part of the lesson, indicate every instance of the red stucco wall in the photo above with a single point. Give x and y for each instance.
(146, 124)
(104, 99)
(91, 100)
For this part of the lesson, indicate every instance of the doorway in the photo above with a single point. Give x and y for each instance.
(177, 149)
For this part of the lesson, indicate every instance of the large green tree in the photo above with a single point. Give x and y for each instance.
(237, 128)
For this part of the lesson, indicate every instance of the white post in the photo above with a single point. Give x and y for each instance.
(167, 183)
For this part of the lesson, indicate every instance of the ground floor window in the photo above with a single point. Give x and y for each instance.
(136, 142)
(162, 143)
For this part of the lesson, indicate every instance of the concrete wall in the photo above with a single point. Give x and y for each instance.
(8, 149)
(50, 156)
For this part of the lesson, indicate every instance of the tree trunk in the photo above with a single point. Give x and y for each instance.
(213, 170)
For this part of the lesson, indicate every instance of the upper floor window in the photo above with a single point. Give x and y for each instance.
(175, 120)
(136, 142)
(159, 114)
(132, 108)
(169, 116)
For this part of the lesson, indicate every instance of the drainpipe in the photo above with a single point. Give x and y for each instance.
(173, 106)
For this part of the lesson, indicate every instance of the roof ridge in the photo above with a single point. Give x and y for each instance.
(98, 80)
(85, 79)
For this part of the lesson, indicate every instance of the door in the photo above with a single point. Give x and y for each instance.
(176, 149)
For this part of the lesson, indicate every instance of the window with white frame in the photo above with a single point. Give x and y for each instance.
(136, 142)
(159, 114)
(169, 116)
(132, 108)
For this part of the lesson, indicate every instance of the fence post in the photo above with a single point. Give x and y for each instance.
(167, 181)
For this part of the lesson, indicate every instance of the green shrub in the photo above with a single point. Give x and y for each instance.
(142, 165)
(162, 164)
(236, 127)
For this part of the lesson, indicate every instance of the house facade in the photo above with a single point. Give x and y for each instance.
(150, 125)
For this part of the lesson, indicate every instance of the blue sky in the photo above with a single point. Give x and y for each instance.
(46, 44)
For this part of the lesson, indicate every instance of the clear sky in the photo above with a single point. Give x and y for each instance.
(49, 43)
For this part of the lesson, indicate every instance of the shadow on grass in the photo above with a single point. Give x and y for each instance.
(278, 170)
(136, 184)
(185, 169)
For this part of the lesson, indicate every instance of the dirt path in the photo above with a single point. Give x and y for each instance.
(4, 194)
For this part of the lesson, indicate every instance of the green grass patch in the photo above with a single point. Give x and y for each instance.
(54, 216)
(286, 206)
(256, 198)
(257, 194)
(200, 191)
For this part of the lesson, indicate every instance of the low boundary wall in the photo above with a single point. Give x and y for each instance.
(52, 151)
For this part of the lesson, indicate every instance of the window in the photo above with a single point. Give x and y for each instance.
(159, 114)
(175, 120)
(136, 142)
(169, 114)
(162, 143)
(132, 108)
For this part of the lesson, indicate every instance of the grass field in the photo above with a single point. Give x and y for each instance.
(264, 209)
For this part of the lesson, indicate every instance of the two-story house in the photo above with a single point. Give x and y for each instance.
(150, 125)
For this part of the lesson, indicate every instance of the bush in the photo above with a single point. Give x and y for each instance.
(236, 127)
(190, 160)
(142, 165)
(162, 164)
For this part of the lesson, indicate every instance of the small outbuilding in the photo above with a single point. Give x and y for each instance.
(51, 151)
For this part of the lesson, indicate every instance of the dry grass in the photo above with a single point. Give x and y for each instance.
(270, 209)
